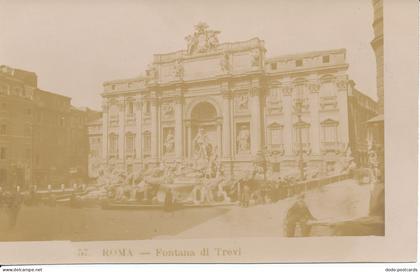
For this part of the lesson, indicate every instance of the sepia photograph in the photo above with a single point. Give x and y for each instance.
(183, 120)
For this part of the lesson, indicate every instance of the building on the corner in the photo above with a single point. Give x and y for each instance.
(378, 47)
(238, 102)
(17, 88)
(43, 138)
(376, 124)
(95, 146)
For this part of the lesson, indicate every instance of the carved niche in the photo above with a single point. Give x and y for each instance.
(243, 138)
(169, 141)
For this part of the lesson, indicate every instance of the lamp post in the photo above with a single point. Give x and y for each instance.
(261, 160)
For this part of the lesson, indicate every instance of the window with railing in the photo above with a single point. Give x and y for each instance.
(275, 139)
(130, 109)
(113, 115)
(113, 145)
(301, 137)
(130, 144)
(147, 143)
(329, 136)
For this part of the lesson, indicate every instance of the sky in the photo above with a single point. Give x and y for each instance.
(74, 46)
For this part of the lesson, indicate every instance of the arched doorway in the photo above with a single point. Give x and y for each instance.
(204, 132)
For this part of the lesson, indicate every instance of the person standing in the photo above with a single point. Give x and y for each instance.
(168, 204)
(13, 206)
(298, 214)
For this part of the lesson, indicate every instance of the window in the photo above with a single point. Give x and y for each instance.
(325, 59)
(275, 93)
(2, 153)
(274, 66)
(301, 132)
(130, 108)
(129, 168)
(129, 143)
(113, 87)
(327, 86)
(276, 167)
(299, 63)
(300, 91)
(147, 143)
(113, 144)
(3, 177)
(3, 130)
(275, 137)
(147, 107)
(329, 131)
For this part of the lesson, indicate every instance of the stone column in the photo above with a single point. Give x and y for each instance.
(226, 126)
(178, 128)
(219, 138)
(154, 129)
(139, 135)
(342, 96)
(189, 139)
(121, 130)
(288, 120)
(255, 120)
(105, 123)
(314, 115)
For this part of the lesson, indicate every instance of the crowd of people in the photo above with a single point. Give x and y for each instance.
(10, 203)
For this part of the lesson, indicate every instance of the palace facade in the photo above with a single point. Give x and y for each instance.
(230, 102)
(43, 138)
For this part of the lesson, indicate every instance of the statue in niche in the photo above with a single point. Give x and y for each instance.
(255, 58)
(169, 142)
(224, 63)
(243, 139)
(201, 144)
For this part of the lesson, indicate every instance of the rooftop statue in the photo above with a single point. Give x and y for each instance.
(203, 39)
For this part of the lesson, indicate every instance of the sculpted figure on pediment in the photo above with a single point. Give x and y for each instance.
(178, 70)
(243, 139)
(202, 40)
(256, 58)
(224, 63)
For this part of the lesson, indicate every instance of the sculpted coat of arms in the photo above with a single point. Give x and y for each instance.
(203, 39)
